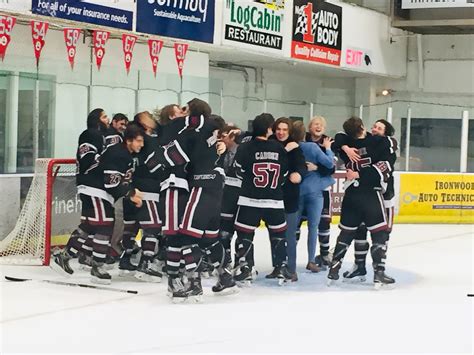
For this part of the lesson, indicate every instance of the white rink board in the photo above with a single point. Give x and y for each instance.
(428, 311)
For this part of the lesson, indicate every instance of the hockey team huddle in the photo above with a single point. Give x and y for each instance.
(190, 182)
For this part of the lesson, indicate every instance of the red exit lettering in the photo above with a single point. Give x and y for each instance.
(354, 57)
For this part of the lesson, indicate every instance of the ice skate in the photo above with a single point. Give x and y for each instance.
(176, 290)
(85, 261)
(381, 280)
(333, 274)
(356, 274)
(285, 276)
(194, 292)
(99, 274)
(243, 275)
(109, 262)
(225, 285)
(323, 262)
(147, 272)
(126, 268)
(61, 262)
(274, 274)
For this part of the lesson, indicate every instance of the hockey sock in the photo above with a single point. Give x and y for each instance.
(128, 239)
(100, 247)
(244, 249)
(324, 232)
(278, 242)
(75, 242)
(173, 256)
(361, 246)
(149, 242)
(343, 242)
(192, 256)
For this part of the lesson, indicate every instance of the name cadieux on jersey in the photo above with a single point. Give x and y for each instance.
(262, 166)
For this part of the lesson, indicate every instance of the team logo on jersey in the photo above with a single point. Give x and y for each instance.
(212, 139)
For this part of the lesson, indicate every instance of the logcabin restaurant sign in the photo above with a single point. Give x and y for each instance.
(317, 31)
(254, 24)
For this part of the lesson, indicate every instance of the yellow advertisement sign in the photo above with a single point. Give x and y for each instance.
(437, 197)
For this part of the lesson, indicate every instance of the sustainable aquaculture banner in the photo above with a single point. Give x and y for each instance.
(192, 20)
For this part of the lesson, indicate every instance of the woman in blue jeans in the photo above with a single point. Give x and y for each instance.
(312, 186)
(296, 169)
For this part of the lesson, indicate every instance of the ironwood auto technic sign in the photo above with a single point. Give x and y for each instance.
(317, 31)
(257, 24)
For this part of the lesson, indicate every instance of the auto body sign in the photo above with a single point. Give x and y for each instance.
(255, 24)
(317, 31)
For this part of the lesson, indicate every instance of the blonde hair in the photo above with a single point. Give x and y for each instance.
(317, 118)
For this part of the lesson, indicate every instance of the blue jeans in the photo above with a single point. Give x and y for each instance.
(312, 203)
(292, 224)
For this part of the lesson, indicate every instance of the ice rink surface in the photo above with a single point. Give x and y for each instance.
(428, 311)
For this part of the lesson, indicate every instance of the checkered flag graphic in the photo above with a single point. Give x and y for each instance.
(302, 21)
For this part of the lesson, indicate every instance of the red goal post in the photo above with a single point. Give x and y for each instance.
(49, 211)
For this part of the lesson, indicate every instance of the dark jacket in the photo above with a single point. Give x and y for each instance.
(296, 164)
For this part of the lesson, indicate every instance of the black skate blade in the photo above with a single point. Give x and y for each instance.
(96, 280)
(244, 283)
(141, 276)
(228, 291)
(354, 280)
(194, 299)
(379, 286)
(59, 270)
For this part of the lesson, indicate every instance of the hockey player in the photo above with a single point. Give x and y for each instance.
(363, 202)
(90, 147)
(146, 217)
(196, 147)
(114, 133)
(380, 128)
(263, 166)
(111, 181)
(230, 135)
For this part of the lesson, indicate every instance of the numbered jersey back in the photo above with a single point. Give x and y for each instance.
(262, 166)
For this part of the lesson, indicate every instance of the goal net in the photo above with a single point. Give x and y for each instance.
(50, 213)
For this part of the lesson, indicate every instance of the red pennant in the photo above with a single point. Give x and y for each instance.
(180, 50)
(128, 42)
(71, 36)
(100, 38)
(155, 46)
(38, 32)
(6, 26)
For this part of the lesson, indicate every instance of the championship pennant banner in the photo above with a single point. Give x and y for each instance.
(38, 34)
(155, 46)
(99, 40)
(180, 50)
(71, 36)
(255, 24)
(6, 26)
(317, 31)
(128, 43)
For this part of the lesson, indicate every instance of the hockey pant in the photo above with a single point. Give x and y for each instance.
(95, 231)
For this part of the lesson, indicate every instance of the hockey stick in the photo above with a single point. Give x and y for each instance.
(16, 279)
